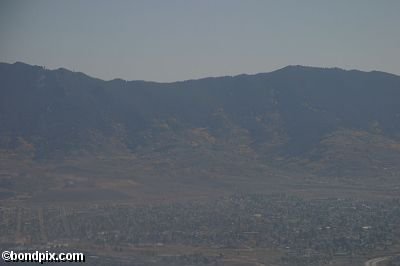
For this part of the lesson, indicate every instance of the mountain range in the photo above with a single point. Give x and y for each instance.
(321, 121)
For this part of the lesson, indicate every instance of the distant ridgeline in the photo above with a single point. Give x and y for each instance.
(329, 119)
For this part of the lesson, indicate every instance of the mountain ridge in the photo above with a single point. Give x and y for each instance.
(295, 113)
(288, 67)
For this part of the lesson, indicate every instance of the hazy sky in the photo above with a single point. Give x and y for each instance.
(169, 40)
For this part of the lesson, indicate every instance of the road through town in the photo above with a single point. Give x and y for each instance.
(376, 261)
